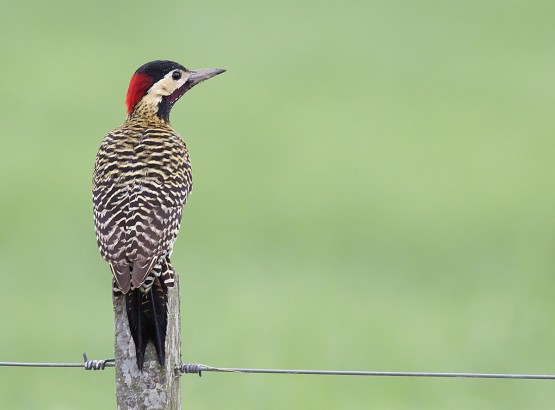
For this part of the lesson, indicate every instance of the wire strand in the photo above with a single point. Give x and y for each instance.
(37, 364)
(199, 368)
(87, 364)
(195, 368)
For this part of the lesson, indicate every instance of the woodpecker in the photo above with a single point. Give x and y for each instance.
(141, 181)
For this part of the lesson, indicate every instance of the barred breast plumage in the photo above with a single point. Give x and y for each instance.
(142, 179)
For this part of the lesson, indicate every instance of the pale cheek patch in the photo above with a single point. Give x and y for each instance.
(167, 85)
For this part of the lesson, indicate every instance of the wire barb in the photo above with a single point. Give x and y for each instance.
(96, 364)
(191, 368)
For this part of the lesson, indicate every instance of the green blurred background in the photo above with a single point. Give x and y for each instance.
(373, 191)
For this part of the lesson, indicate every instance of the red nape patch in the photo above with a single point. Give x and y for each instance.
(138, 86)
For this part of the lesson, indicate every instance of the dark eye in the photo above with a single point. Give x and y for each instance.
(176, 75)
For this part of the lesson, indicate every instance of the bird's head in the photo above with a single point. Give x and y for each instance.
(156, 86)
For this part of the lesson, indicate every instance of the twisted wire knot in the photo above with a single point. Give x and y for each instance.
(190, 368)
(95, 364)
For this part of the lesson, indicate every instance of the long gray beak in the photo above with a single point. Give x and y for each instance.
(202, 74)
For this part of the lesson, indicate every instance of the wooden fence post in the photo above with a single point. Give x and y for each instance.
(155, 387)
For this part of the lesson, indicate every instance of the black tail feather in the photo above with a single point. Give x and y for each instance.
(137, 324)
(156, 311)
(147, 316)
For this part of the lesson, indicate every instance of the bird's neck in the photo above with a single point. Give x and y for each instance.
(148, 110)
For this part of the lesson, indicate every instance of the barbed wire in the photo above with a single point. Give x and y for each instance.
(197, 368)
(87, 364)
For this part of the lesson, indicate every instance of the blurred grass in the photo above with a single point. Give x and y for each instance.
(373, 190)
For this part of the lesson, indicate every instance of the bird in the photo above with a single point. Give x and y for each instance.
(141, 180)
